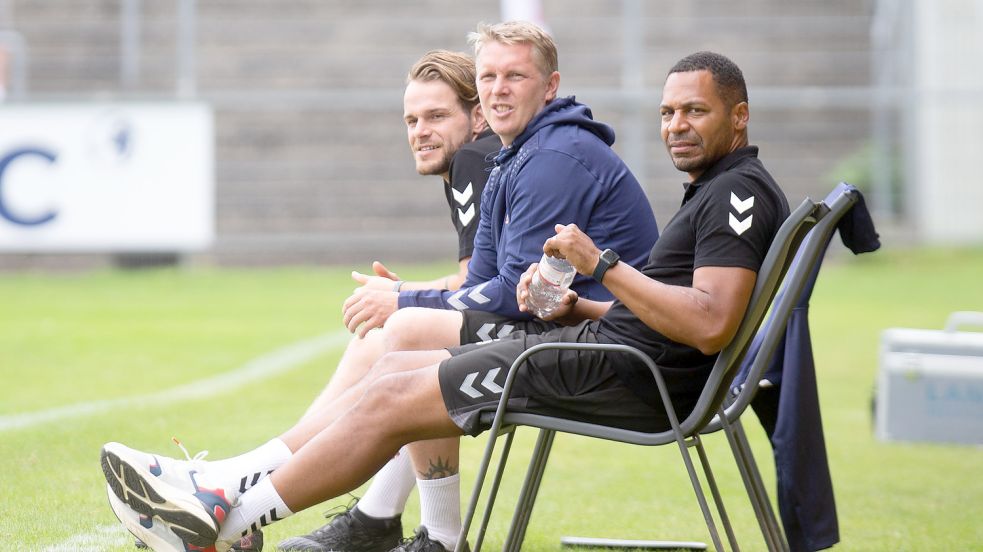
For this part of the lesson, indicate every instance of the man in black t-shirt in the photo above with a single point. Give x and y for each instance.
(681, 308)
(469, 171)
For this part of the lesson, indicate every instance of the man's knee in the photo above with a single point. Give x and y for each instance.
(407, 402)
(384, 388)
(420, 329)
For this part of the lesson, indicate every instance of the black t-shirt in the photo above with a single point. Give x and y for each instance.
(728, 218)
(469, 173)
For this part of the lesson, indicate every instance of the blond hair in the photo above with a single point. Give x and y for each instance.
(519, 32)
(454, 69)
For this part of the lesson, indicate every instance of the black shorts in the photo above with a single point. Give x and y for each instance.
(577, 385)
(480, 326)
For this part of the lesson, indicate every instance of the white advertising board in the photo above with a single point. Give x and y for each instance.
(106, 178)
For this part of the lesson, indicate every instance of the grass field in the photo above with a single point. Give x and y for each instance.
(110, 342)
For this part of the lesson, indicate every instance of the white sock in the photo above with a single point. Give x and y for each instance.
(257, 507)
(440, 508)
(390, 488)
(246, 470)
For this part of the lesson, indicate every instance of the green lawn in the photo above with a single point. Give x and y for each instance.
(69, 339)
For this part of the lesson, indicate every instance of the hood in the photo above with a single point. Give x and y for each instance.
(561, 111)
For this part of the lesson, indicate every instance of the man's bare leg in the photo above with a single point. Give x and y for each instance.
(402, 404)
(411, 329)
(436, 461)
(359, 356)
(438, 484)
(377, 516)
(398, 408)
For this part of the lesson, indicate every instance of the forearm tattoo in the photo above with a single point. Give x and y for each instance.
(439, 469)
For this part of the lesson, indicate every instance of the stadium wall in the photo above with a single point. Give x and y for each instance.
(310, 161)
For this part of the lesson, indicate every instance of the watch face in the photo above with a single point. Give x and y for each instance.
(607, 260)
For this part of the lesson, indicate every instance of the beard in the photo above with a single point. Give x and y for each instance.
(436, 166)
(689, 164)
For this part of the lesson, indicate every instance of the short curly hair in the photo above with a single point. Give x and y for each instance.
(726, 74)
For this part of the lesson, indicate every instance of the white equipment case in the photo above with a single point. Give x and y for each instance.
(930, 385)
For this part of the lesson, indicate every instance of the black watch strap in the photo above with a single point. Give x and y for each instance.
(608, 259)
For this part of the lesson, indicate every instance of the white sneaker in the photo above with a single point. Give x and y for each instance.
(168, 490)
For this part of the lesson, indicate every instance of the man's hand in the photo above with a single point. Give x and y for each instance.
(522, 293)
(383, 280)
(572, 244)
(369, 308)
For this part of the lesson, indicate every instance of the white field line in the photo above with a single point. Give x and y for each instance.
(99, 539)
(265, 366)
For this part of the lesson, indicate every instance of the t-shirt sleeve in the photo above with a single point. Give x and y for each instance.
(736, 223)
(468, 173)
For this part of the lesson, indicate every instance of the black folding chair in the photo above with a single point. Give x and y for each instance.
(803, 270)
(685, 433)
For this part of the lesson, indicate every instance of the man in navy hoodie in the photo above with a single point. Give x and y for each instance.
(556, 167)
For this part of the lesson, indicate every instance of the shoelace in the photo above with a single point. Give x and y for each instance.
(196, 458)
(418, 535)
(335, 512)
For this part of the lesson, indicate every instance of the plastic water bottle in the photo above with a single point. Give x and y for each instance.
(549, 284)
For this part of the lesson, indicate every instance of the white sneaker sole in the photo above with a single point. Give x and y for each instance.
(136, 487)
(130, 519)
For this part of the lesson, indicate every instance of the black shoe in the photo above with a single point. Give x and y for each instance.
(421, 542)
(349, 531)
(252, 542)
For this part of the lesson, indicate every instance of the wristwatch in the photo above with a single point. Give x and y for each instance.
(608, 259)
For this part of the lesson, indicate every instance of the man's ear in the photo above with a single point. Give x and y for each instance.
(552, 86)
(478, 122)
(740, 115)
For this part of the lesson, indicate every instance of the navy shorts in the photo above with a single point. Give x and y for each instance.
(576, 385)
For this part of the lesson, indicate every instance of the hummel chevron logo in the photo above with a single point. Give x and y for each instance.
(741, 206)
(740, 226)
(462, 197)
(476, 295)
(455, 300)
(488, 382)
(484, 332)
(466, 216)
(263, 522)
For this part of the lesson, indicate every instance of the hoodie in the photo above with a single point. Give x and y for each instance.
(559, 170)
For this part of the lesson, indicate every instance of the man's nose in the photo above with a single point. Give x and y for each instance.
(677, 123)
(421, 129)
(500, 87)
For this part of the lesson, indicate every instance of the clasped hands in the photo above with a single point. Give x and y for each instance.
(373, 302)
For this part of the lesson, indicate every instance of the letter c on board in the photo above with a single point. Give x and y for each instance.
(5, 212)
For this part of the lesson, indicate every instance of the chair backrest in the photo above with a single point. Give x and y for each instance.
(801, 273)
(771, 274)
